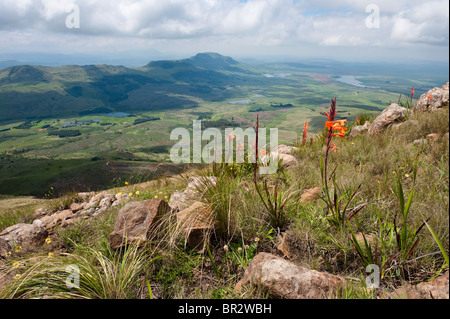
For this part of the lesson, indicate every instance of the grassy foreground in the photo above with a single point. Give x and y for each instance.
(381, 189)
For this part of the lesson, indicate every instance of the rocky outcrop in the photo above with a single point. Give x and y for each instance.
(93, 205)
(394, 113)
(283, 279)
(25, 236)
(433, 100)
(136, 220)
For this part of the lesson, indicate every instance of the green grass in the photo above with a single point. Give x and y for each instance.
(244, 227)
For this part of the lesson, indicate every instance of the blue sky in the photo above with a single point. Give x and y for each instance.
(408, 29)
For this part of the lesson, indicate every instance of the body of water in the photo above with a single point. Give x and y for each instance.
(278, 75)
(351, 80)
(240, 102)
(118, 114)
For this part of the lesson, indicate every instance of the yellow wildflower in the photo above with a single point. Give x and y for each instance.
(51, 254)
(126, 183)
(18, 249)
(16, 264)
(138, 193)
(17, 277)
(48, 241)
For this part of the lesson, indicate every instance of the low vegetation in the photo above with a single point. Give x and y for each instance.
(384, 202)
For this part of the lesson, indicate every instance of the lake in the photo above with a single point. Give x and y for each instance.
(351, 80)
(118, 114)
(240, 102)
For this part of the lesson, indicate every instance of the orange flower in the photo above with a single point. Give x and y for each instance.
(337, 126)
(333, 147)
(412, 92)
(305, 133)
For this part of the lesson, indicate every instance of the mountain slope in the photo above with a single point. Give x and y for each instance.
(31, 92)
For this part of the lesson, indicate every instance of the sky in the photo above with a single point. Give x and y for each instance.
(341, 29)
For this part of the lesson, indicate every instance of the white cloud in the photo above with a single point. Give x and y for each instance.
(425, 23)
(258, 23)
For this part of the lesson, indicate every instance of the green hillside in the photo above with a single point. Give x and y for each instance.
(72, 120)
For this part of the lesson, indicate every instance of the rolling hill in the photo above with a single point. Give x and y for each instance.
(36, 92)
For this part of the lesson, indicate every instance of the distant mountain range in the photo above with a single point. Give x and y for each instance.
(32, 92)
(29, 92)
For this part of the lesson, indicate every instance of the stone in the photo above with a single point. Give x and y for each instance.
(310, 195)
(393, 113)
(405, 291)
(285, 280)
(50, 222)
(40, 212)
(5, 247)
(97, 198)
(289, 150)
(433, 137)
(193, 192)
(28, 236)
(440, 99)
(288, 161)
(180, 200)
(85, 196)
(106, 202)
(75, 207)
(360, 129)
(436, 289)
(136, 220)
(196, 225)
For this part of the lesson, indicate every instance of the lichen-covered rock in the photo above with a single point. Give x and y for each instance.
(27, 236)
(180, 200)
(439, 99)
(196, 224)
(392, 114)
(136, 220)
(283, 279)
(360, 129)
